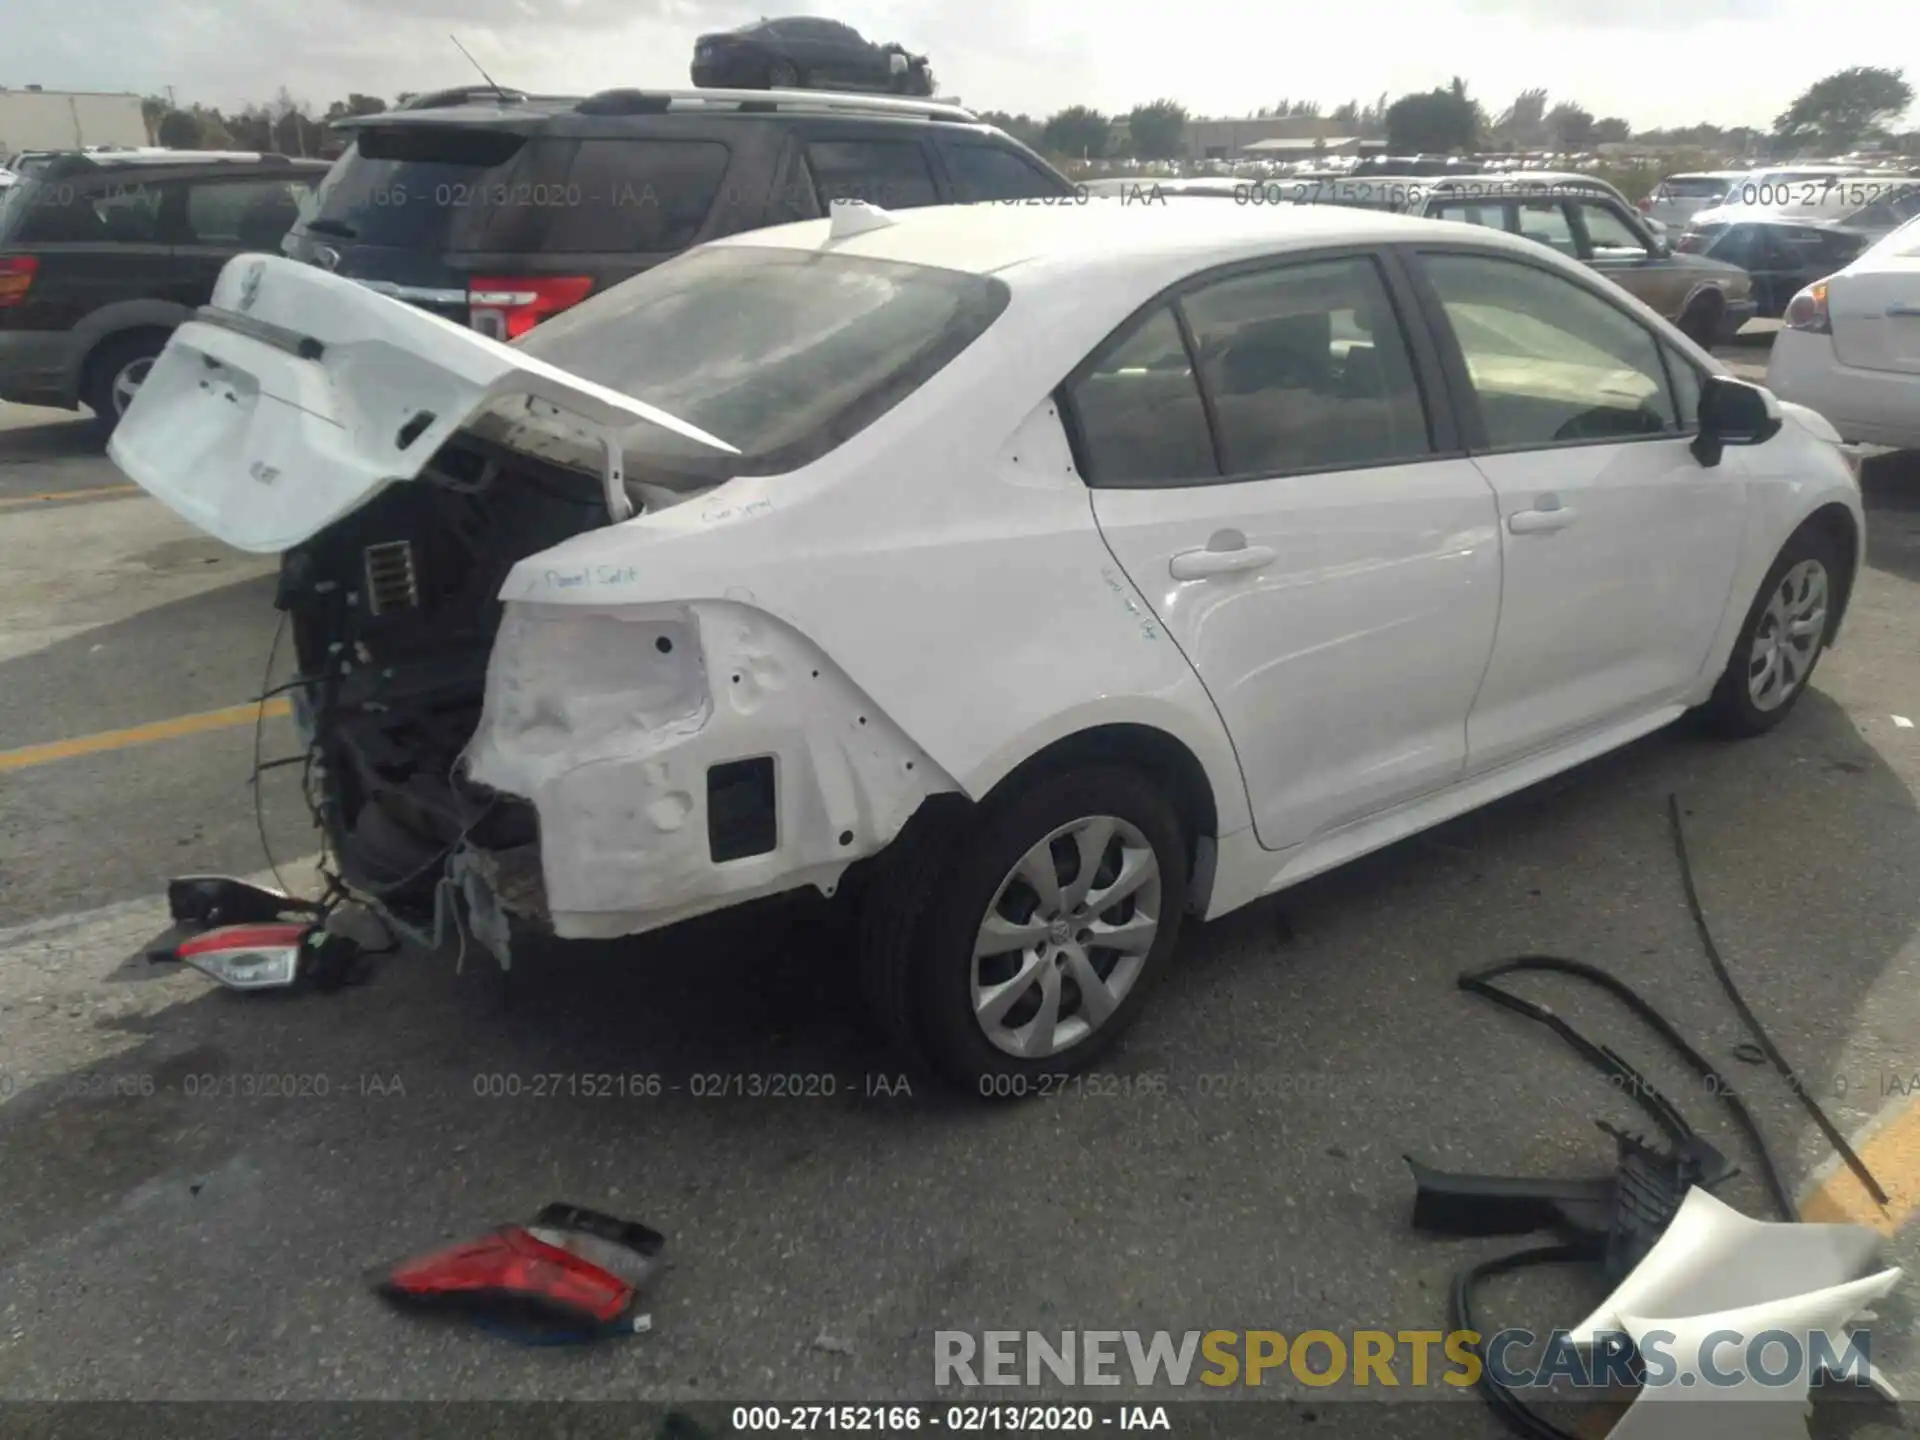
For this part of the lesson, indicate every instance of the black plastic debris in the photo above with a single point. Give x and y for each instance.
(570, 1276)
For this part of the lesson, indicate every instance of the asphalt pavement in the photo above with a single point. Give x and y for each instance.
(192, 1182)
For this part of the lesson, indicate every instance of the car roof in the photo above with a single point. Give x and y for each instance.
(987, 239)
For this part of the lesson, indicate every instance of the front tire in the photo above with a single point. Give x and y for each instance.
(1701, 321)
(1017, 942)
(784, 75)
(1781, 639)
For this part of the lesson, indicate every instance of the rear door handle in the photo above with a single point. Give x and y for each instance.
(1540, 522)
(1199, 564)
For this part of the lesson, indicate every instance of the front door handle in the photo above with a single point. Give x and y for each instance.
(1547, 515)
(1225, 554)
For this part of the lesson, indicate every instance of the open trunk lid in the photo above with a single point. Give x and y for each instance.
(296, 396)
(1876, 314)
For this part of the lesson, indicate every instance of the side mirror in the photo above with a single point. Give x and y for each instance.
(1733, 412)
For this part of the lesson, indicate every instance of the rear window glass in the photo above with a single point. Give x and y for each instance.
(784, 354)
(417, 188)
(644, 195)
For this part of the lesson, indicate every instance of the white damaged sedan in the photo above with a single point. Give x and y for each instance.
(1030, 577)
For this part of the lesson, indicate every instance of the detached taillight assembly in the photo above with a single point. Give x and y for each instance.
(16, 278)
(572, 1274)
(1807, 311)
(249, 957)
(508, 306)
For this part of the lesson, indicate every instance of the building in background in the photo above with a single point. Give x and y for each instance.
(1231, 139)
(35, 119)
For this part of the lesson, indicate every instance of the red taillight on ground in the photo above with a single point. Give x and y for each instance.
(16, 277)
(508, 306)
(248, 957)
(1808, 311)
(511, 1262)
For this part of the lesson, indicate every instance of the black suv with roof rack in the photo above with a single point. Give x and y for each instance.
(103, 253)
(497, 209)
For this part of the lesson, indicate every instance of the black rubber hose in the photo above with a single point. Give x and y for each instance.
(1477, 981)
(1752, 1022)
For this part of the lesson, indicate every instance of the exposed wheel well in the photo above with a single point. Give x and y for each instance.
(1151, 750)
(1837, 524)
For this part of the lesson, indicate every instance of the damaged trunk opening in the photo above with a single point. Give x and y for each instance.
(394, 612)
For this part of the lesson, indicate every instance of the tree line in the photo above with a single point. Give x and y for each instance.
(1841, 112)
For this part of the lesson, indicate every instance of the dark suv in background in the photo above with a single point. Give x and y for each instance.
(502, 209)
(102, 254)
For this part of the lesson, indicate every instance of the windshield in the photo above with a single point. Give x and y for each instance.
(784, 354)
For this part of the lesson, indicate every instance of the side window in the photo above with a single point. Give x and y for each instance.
(891, 174)
(1608, 236)
(1545, 221)
(1493, 217)
(241, 214)
(1307, 369)
(116, 213)
(1737, 245)
(986, 172)
(1140, 416)
(621, 196)
(1549, 361)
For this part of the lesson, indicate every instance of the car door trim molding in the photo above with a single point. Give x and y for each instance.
(1472, 427)
(1444, 438)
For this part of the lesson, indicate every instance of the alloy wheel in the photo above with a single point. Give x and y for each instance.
(1066, 937)
(127, 382)
(1787, 639)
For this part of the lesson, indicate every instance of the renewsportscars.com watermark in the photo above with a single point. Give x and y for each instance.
(1519, 1359)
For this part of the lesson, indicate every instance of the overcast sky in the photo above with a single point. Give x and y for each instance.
(1657, 62)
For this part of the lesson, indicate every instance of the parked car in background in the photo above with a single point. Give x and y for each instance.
(1026, 577)
(806, 52)
(1850, 345)
(1708, 299)
(1783, 257)
(501, 215)
(103, 254)
(1675, 200)
(1880, 203)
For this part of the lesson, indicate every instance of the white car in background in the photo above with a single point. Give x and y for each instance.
(1031, 577)
(1849, 345)
(1677, 198)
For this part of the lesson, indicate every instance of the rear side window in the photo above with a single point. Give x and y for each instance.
(1307, 369)
(636, 195)
(418, 187)
(891, 174)
(241, 214)
(986, 173)
(1139, 413)
(114, 212)
(785, 354)
(1545, 222)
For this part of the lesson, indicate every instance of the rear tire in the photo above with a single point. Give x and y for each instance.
(1002, 1023)
(1701, 321)
(1781, 639)
(115, 370)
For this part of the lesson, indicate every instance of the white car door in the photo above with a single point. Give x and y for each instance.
(1264, 466)
(1619, 546)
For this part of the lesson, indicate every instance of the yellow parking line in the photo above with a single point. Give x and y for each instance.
(94, 492)
(173, 729)
(1892, 1153)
